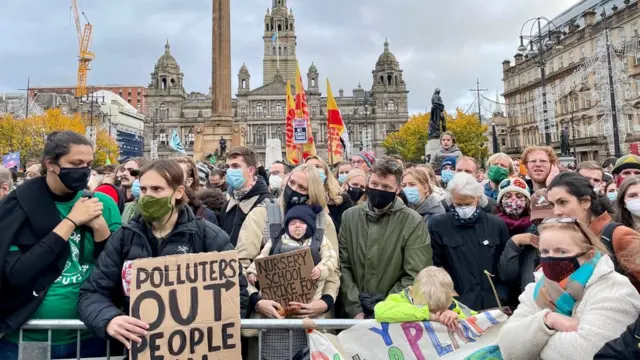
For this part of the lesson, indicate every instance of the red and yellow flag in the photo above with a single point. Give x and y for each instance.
(290, 146)
(336, 129)
(302, 112)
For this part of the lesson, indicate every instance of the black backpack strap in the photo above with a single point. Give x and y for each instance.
(87, 194)
(274, 221)
(316, 243)
(199, 241)
(606, 236)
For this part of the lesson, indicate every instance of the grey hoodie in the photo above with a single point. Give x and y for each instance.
(430, 206)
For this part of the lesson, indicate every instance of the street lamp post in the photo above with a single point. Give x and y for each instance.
(494, 137)
(538, 44)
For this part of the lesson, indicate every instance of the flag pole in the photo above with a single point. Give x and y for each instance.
(300, 153)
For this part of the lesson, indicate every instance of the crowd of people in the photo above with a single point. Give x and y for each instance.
(558, 249)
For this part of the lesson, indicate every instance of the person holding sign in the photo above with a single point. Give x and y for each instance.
(52, 232)
(165, 226)
(299, 232)
(303, 186)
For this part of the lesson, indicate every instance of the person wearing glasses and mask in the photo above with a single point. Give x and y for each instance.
(467, 241)
(383, 243)
(277, 172)
(130, 185)
(572, 196)
(578, 302)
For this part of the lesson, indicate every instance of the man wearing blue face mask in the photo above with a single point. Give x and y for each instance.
(447, 170)
(246, 188)
(467, 242)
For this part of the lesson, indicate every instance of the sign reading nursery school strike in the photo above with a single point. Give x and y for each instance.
(192, 305)
(287, 277)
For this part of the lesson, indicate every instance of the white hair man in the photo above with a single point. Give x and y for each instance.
(467, 241)
(6, 182)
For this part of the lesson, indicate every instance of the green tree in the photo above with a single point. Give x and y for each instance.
(410, 139)
(469, 134)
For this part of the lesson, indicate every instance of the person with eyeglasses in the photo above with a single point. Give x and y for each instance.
(578, 302)
(130, 185)
(572, 195)
(364, 161)
(467, 241)
(542, 166)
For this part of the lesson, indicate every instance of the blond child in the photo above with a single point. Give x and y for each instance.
(430, 298)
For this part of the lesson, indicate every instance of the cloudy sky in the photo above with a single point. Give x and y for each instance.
(445, 44)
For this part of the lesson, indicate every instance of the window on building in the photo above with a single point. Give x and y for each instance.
(391, 107)
(259, 109)
(561, 61)
(279, 134)
(260, 136)
(274, 51)
(190, 138)
(582, 52)
(243, 111)
(163, 137)
(571, 57)
(279, 109)
(634, 29)
(314, 109)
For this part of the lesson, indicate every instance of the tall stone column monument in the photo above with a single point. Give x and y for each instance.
(220, 125)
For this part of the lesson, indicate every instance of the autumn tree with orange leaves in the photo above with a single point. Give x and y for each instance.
(28, 136)
(409, 141)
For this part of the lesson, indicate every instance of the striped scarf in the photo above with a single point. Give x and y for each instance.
(562, 296)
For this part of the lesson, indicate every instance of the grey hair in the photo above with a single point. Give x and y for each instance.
(465, 184)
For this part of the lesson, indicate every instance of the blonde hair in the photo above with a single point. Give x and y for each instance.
(331, 186)
(588, 240)
(95, 181)
(433, 287)
(354, 173)
(493, 159)
(314, 184)
(421, 176)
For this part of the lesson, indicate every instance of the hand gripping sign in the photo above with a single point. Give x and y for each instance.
(192, 305)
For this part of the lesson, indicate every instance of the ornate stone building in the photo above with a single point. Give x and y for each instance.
(368, 114)
(580, 33)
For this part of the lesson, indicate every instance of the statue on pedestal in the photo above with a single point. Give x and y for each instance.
(437, 122)
(223, 146)
(564, 142)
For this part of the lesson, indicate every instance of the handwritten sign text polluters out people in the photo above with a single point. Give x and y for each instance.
(287, 277)
(192, 305)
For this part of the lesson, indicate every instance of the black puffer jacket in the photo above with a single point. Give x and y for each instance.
(627, 346)
(102, 297)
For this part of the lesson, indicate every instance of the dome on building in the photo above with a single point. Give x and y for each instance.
(243, 69)
(312, 68)
(167, 60)
(387, 57)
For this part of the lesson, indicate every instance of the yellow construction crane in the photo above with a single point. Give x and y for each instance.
(85, 56)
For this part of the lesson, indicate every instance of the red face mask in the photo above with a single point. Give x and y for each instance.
(559, 268)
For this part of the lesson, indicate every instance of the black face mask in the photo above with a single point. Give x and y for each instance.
(380, 199)
(355, 193)
(293, 198)
(75, 179)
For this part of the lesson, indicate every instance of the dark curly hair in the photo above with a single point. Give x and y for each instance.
(213, 199)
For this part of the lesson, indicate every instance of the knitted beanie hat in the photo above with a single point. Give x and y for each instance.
(514, 184)
(307, 214)
(449, 161)
(368, 158)
(203, 173)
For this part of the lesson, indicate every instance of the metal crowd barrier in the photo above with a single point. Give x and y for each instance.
(41, 350)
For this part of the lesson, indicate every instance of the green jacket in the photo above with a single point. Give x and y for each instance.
(380, 253)
(399, 308)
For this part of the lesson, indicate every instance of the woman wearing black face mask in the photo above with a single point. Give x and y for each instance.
(51, 236)
(303, 186)
(578, 303)
(355, 186)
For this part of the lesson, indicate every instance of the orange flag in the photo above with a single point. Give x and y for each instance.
(336, 129)
(302, 112)
(290, 146)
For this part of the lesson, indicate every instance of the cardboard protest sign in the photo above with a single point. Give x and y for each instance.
(416, 340)
(287, 277)
(192, 305)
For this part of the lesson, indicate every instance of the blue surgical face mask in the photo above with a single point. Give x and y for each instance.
(412, 194)
(135, 189)
(235, 179)
(446, 176)
(323, 176)
(342, 178)
(612, 195)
